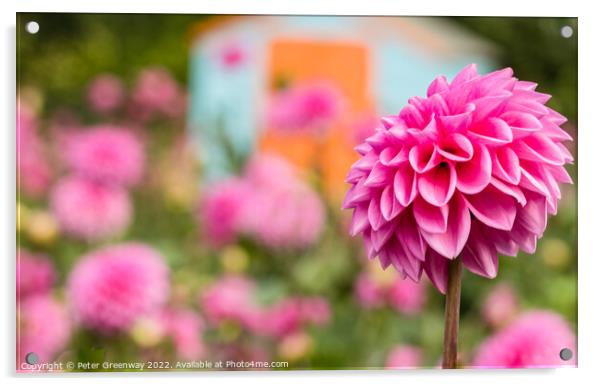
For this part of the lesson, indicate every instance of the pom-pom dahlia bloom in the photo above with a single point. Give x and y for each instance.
(105, 153)
(90, 210)
(110, 288)
(468, 172)
(44, 328)
(35, 274)
(105, 93)
(535, 339)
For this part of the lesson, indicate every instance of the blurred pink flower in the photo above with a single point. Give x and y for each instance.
(535, 339)
(231, 298)
(185, 328)
(290, 315)
(156, 92)
(295, 211)
(220, 211)
(315, 310)
(34, 173)
(90, 210)
(105, 93)
(110, 288)
(106, 153)
(232, 54)
(311, 106)
(368, 293)
(44, 328)
(470, 172)
(407, 296)
(35, 274)
(500, 306)
(404, 357)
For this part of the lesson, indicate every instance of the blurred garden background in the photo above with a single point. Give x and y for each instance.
(180, 180)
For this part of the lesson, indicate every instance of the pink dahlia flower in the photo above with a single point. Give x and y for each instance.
(34, 173)
(220, 211)
(44, 328)
(110, 288)
(295, 211)
(404, 357)
(470, 172)
(500, 307)
(407, 296)
(108, 154)
(35, 274)
(185, 328)
(368, 292)
(156, 92)
(90, 210)
(311, 106)
(231, 298)
(105, 93)
(535, 339)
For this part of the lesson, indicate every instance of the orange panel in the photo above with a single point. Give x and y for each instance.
(345, 65)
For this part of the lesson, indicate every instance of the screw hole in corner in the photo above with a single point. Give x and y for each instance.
(32, 27)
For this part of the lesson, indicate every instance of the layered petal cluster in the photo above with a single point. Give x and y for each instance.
(106, 93)
(110, 288)
(90, 210)
(44, 328)
(535, 339)
(311, 106)
(107, 154)
(470, 171)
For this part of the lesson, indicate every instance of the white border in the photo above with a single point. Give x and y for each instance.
(590, 165)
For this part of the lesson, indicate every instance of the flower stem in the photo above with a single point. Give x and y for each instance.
(452, 314)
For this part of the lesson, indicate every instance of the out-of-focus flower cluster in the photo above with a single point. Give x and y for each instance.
(124, 249)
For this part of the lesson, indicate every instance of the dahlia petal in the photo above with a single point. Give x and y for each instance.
(379, 176)
(423, 157)
(480, 255)
(489, 105)
(356, 195)
(410, 239)
(359, 220)
(411, 267)
(412, 116)
(526, 85)
(555, 117)
(458, 122)
(510, 190)
(451, 242)
(492, 132)
(531, 95)
(354, 175)
(497, 80)
(430, 218)
(522, 124)
(437, 105)
(506, 165)
(377, 140)
(455, 147)
(560, 174)
(526, 240)
(374, 215)
(568, 157)
(531, 178)
(366, 162)
(502, 241)
(527, 106)
(404, 184)
(389, 206)
(437, 86)
(363, 148)
(389, 122)
(474, 175)
(393, 157)
(533, 216)
(539, 148)
(493, 208)
(553, 131)
(380, 237)
(437, 268)
(466, 74)
(438, 185)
